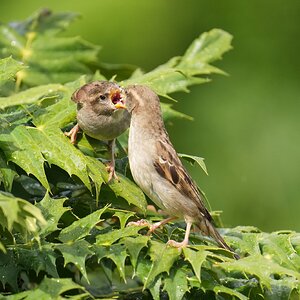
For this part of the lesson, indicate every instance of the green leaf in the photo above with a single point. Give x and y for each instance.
(155, 289)
(31, 95)
(19, 214)
(76, 253)
(180, 72)
(19, 147)
(38, 259)
(8, 69)
(107, 239)
(220, 289)
(2, 248)
(279, 248)
(192, 159)
(170, 113)
(262, 267)
(9, 269)
(162, 257)
(176, 284)
(7, 174)
(50, 58)
(123, 217)
(285, 288)
(210, 46)
(51, 288)
(196, 259)
(134, 245)
(52, 210)
(81, 228)
(117, 253)
(124, 188)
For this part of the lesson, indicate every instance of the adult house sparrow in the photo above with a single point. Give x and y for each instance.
(157, 169)
(101, 115)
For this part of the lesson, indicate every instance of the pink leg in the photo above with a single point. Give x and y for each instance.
(185, 241)
(111, 166)
(73, 133)
(156, 225)
(152, 227)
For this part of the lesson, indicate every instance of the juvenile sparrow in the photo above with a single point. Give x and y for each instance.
(157, 169)
(101, 114)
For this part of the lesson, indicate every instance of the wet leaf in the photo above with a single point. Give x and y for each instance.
(52, 210)
(76, 253)
(162, 257)
(82, 227)
(196, 259)
(134, 245)
(107, 239)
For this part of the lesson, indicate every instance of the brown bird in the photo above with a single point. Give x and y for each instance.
(101, 114)
(157, 169)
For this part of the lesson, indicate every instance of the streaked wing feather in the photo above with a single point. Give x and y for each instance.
(170, 167)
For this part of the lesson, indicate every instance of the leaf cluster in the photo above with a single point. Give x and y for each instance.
(63, 226)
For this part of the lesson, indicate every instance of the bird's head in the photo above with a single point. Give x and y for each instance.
(104, 97)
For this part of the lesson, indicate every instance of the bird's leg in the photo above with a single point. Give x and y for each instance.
(111, 165)
(185, 241)
(141, 222)
(152, 227)
(73, 133)
(156, 225)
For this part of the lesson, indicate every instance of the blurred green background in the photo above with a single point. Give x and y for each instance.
(247, 125)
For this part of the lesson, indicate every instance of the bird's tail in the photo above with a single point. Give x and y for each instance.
(207, 228)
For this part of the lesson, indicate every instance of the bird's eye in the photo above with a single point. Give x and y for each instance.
(102, 97)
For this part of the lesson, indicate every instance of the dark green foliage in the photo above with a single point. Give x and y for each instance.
(63, 227)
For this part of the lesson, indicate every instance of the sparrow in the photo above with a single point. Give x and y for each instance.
(157, 169)
(101, 115)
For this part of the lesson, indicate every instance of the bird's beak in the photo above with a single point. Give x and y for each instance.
(117, 98)
(120, 105)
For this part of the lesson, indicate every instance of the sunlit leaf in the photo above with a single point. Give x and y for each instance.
(194, 159)
(182, 71)
(8, 69)
(50, 58)
(31, 95)
(51, 288)
(19, 214)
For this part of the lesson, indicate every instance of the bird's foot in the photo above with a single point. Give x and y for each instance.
(156, 225)
(141, 222)
(175, 244)
(73, 133)
(112, 173)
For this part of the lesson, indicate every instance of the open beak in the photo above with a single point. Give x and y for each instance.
(116, 97)
(120, 105)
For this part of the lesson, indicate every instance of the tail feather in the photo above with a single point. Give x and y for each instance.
(207, 228)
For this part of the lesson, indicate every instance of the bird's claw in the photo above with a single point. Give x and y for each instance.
(112, 173)
(72, 133)
(141, 222)
(178, 245)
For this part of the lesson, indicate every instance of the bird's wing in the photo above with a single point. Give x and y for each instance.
(169, 166)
